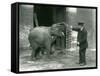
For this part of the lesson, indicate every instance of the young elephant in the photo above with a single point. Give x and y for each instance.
(41, 38)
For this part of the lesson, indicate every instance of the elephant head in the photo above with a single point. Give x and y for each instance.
(58, 29)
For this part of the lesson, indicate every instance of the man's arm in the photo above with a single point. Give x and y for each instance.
(74, 28)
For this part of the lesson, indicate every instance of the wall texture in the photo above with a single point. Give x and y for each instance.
(72, 17)
(88, 16)
(25, 24)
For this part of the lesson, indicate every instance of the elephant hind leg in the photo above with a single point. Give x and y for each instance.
(37, 52)
(34, 49)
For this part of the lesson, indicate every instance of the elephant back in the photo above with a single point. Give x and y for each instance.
(39, 34)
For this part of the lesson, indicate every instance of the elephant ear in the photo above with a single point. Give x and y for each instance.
(56, 29)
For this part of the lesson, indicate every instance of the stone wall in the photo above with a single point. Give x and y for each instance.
(25, 24)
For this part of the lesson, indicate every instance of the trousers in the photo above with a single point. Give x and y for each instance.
(82, 55)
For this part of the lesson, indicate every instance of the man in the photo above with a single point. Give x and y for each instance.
(82, 42)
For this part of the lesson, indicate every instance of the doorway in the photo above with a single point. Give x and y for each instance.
(48, 15)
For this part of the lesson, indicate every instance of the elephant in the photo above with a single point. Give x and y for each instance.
(42, 38)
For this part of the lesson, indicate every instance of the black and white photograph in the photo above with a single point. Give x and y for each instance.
(55, 37)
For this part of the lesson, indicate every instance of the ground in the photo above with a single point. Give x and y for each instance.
(57, 61)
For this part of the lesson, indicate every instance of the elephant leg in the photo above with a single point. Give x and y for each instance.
(34, 49)
(37, 52)
(42, 50)
(52, 47)
(48, 49)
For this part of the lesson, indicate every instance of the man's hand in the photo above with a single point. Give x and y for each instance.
(71, 27)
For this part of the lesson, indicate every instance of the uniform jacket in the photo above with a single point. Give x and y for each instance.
(82, 38)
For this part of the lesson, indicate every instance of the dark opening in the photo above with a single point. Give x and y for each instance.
(44, 15)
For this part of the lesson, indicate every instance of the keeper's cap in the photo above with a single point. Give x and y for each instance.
(81, 23)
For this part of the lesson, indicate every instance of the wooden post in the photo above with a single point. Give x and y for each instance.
(36, 20)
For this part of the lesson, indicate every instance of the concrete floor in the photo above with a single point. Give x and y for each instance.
(57, 61)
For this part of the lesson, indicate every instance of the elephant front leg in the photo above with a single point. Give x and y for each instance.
(48, 49)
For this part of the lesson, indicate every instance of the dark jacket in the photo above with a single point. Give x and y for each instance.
(82, 38)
